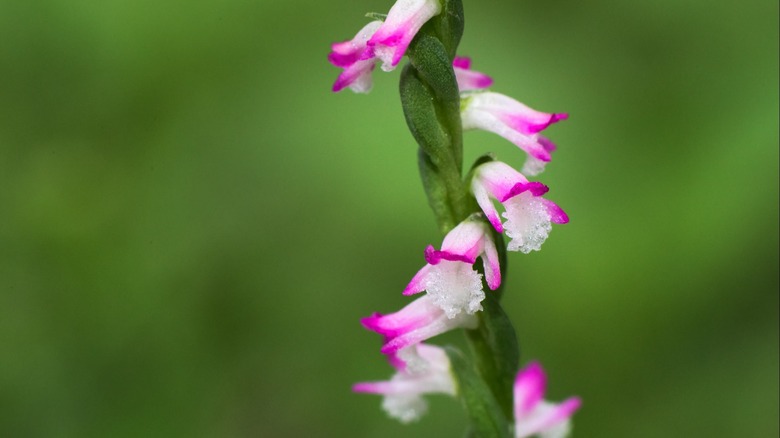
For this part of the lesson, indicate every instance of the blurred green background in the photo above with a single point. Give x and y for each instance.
(192, 224)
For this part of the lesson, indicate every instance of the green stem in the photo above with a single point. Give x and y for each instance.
(431, 102)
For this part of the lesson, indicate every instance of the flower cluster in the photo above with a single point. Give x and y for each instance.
(452, 284)
(528, 215)
(387, 42)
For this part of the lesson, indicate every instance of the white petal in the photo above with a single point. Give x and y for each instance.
(405, 408)
(455, 287)
(528, 222)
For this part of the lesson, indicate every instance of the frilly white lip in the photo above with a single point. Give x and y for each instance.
(449, 277)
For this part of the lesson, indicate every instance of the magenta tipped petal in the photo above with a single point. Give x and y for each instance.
(536, 189)
(534, 416)
(403, 21)
(548, 145)
(463, 62)
(557, 215)
(512, 120)
(468, 79)
(530, 385)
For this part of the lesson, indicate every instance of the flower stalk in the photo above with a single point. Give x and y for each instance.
(431, 101)
(460, 293)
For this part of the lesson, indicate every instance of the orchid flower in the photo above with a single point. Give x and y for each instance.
(534, 415)
(469, 79)
(528, 215)
(514, 121)
(420, 369)
(349, 55)
(403, 21)
(420, 320)
(450, 278)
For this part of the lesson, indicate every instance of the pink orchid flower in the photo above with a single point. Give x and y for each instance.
(403, 21)
(533, 415)
(420, 369)
(449, 277)
(528, 215)
(349, 55)
(514, 121)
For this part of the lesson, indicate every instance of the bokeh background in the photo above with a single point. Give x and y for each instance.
(192, 224)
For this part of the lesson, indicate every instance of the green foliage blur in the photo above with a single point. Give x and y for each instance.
(192, 224)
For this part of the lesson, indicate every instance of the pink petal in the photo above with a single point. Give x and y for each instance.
(357, 77)
(465, 240)
(437, 326)
(472, 80)
(532, 122)
(434, 257)
(356, 60)
(536, 189)
(490, 262)
(510, 119)
(557, 215)
(545, 142)
(468, 79)
(416, 314)
(500, 179)
(346, 53)
(483, 199)
(529, 388)
(403, 21)
(417, 284)
(463, 62)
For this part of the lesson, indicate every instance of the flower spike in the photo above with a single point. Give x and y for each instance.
(514, 121)
(349, 55)
(449, 277)
(435, 90)
(534, 415)
(469, 79)
(403, 392)
(403, 21)
(528, 215)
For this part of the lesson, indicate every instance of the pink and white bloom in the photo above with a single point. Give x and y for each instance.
(533, 415)
(420, 320)
(529, 217)
(467, 78)
(403, 392)
(514, 121)
(403, 21)
(449, 277)
(355, 58)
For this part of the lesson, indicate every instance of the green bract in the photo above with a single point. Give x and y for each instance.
(485, 415)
